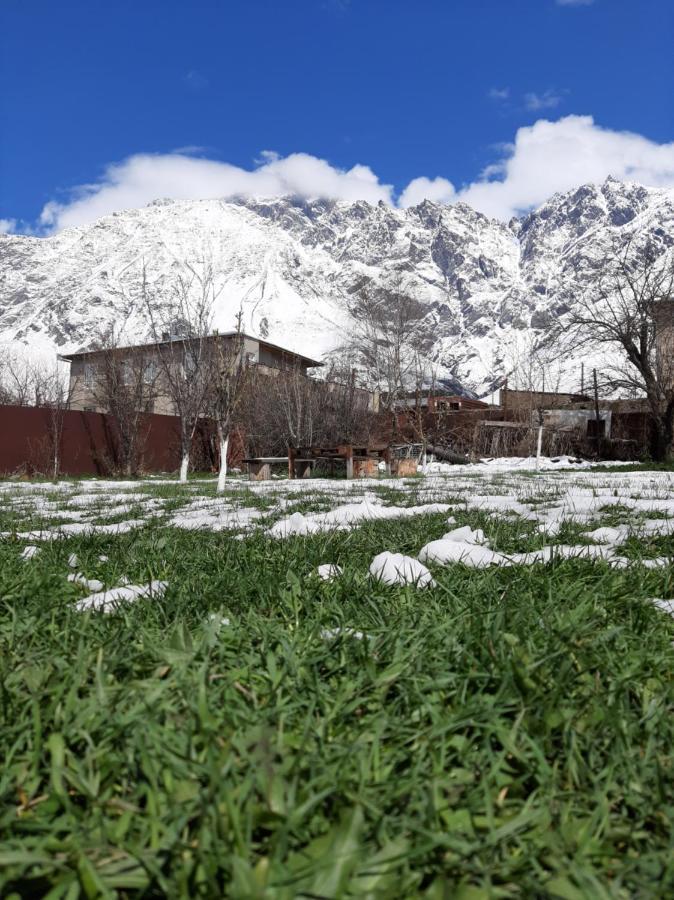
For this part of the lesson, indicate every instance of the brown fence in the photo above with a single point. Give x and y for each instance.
(88, 444)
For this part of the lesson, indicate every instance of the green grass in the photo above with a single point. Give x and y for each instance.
(506, 734)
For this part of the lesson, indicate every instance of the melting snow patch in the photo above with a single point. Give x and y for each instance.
(108, 601)
(454, 551)
(607, 535)
(345, 517)
(329, 571)
(217, 517)
(568, 551)
(394, 568)
(91, 584)
(73, 561)
(29, 552)
(331, 634)
(466, 535)
(296, 524)
(657, 563)
(665, 605)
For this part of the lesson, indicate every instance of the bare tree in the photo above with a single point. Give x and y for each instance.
(537, 365)
(180, 319)
(629, 307)
(346, 407)
(279, 409)
(57, 392)
(289, 408)
(34, 383)
(295, 407)
(228, 368)
(124, 385)
(20, 379)
(390, 336)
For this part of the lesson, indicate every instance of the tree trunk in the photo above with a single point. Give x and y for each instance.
(666, 434)
(57, 455)
(184, 465)
(222, 474)
(539, 443)
(662, 441)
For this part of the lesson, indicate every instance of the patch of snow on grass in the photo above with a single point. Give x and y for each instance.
(345, 517)
(665, 605)
(331, 634)
(329, 571)
(91, 584)
(444, 551)
(395, 568)
(109, 601)
(29, 552)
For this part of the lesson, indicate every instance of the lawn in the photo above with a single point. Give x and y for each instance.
(256, 731)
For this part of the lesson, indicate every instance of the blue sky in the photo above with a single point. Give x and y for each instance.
(184, 97)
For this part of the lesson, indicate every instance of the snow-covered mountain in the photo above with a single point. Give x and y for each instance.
(294, 266)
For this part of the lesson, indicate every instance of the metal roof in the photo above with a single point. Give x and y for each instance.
(225, 334)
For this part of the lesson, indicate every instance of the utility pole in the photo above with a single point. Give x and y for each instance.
(596, 406)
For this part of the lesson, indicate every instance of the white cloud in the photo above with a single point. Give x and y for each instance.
(548, 100)
(440, 190)
(556, 156)
(498, 93)
(145, 177)
(544, 158)
(8, 226)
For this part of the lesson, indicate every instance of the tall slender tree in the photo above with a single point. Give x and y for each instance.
(124, 385)
(180, 315)
(228, 368)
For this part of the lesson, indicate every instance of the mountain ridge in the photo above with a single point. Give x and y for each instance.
(294, 265)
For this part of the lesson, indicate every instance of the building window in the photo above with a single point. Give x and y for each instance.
(190, 364)
(150, 372)
(90, 374)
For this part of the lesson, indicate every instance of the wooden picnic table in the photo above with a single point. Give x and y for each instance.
(361, 461)
(259, 467)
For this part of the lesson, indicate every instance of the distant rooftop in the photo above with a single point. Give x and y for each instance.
(307, 360)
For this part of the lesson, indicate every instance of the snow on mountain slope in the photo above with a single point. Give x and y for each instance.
(294, 266)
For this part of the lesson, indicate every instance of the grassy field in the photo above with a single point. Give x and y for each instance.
(258, 732)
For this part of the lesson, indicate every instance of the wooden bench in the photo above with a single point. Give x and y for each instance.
(361, 462)
(259, 467)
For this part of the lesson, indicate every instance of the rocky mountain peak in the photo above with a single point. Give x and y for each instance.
(293, 266)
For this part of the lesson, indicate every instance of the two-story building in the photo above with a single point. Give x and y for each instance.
(139, 364)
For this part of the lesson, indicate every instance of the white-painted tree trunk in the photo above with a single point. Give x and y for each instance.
(539, 444)
(222, 474)
(184, 465)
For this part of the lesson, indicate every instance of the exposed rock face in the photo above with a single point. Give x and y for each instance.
(294, 267)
